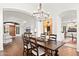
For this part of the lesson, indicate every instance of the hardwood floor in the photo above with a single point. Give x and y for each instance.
(16, 49)
(67, 51)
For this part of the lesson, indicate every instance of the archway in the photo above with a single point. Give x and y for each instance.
(69, 27)
(12, 28)
(17, 18)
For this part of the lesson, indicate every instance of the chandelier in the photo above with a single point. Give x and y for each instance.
(40, 14)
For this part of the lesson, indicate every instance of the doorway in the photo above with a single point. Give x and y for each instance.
(12, 31)
(69, 27)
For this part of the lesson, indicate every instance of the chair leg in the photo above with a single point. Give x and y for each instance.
(23, 53)
(27, 52)
(51, 53)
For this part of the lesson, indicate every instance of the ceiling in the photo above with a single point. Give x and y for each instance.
(51, 8)
(69, 16)
(64, 10)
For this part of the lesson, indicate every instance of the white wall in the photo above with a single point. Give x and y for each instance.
(1, 29)
(78, 30)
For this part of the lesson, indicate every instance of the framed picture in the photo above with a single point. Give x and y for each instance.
(28, 29)
(72, 30)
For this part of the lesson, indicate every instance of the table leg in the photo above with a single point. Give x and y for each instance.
(56, 53)
(51, 53)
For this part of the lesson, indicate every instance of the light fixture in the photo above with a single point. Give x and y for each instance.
(40, 14)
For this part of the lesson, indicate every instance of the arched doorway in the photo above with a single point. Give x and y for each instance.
(11, 28)
(17, 21)
(69, 27)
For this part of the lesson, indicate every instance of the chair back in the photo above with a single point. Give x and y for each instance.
(26, 43)
(24, 39)
(34, 46)
(42, 35)
(53, 37)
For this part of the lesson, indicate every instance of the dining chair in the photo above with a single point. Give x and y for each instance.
(43, 36)
(36, 50)
(53, 37)
(26, 44)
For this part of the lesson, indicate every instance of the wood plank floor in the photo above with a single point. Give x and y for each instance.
(16, 49)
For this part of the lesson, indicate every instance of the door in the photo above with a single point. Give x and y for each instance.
(12, 31)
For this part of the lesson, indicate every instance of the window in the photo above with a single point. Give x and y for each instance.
(17, 29)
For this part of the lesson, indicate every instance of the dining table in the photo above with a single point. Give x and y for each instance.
(51, 45)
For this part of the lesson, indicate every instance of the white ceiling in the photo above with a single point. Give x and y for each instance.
(65, 10)
(69, 16)
(51, 8)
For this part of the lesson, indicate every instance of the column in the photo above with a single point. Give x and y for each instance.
(1, 29)
(41, 26)
(54, 25)
(38, 26)
(58, 21)
(57, 28)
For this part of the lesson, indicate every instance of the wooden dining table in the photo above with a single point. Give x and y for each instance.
(51, 45)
